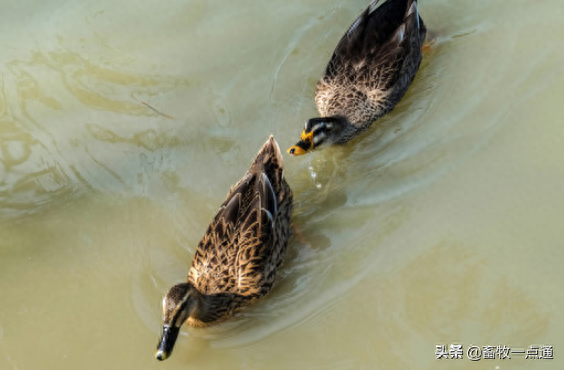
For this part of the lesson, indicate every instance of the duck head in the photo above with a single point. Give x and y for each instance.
(319, 131)
(179, 304)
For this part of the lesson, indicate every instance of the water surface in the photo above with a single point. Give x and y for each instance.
(122, 127)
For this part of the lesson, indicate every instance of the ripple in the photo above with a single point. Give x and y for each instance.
(43, 151)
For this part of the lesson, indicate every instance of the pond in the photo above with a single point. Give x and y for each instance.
(123, 125)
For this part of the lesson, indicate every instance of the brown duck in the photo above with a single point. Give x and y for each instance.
(237, 259)
(369, 72)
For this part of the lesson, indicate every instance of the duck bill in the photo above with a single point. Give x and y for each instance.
(304, 145)
(164, 349)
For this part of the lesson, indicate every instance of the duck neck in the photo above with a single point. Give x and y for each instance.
(340, 129)
(214, 307)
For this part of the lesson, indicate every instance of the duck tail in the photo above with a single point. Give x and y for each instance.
(413, 12)
(269, 157)
(374, 27)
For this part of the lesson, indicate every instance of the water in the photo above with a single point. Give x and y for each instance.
(442, 225)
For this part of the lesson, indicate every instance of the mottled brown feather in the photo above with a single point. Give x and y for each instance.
(237, 259)
(373, 65)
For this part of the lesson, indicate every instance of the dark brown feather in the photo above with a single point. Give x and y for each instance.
(373, 65)
(237, 259)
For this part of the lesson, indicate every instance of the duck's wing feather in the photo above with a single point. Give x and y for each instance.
(379, 39)
(232, 254)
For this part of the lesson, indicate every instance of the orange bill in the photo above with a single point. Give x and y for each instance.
(304, 145)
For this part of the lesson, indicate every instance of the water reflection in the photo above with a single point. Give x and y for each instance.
(48, 155)
(441, 224)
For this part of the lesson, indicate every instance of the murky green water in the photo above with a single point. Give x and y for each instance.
(443, 225)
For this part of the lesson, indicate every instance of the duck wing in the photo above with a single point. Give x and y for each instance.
(232, 255)
(377, 42)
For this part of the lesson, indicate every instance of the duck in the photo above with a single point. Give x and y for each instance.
(237, 260)
(371, 69)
